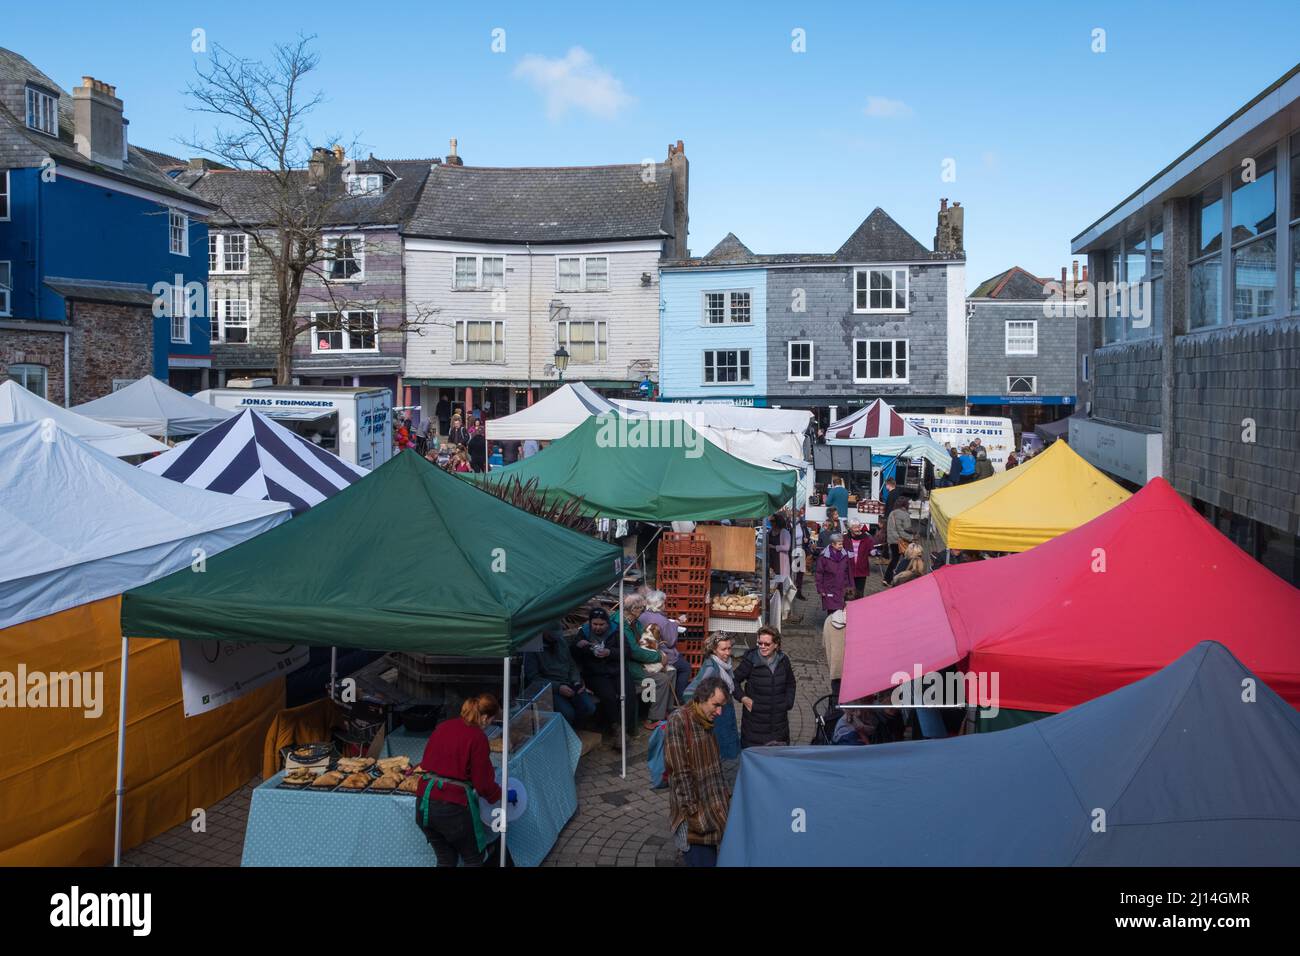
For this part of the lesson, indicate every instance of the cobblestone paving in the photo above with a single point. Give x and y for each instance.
(619, 822)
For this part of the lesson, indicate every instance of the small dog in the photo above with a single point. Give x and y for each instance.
(649, 640)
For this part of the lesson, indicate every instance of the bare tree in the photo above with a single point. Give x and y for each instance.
(297, 197)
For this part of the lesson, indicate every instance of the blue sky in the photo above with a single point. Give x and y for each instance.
(788, 150)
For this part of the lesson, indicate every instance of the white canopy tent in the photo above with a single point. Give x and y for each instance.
(18, 405)
(759, 435)
(77, 525)
(155, 408)
(552, 417)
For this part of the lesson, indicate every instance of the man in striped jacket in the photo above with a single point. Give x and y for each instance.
(698, 799)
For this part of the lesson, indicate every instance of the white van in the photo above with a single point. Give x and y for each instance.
(354, 423)
(996, 435)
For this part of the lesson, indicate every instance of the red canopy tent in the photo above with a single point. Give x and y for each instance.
(1088, 612)
(877, 420)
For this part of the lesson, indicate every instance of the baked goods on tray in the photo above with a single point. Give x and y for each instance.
(389, 781)
(328, 780)
(355, 764)
(410, 785)
(387, 764)
(298, 777)
(355, 781)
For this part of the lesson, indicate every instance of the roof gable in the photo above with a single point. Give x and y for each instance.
(881, 239)
(730, 248)
(1014, 283)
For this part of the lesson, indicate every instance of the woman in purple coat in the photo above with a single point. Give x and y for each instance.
(834, 574)
(654, 614)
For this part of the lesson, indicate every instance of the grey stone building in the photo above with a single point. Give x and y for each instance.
(352, 308)
(1020, 358)
(882, 316)
(1204, 388)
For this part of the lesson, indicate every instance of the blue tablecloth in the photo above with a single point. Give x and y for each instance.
(301, 828)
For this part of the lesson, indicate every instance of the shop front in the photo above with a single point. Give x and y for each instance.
(1026, 412)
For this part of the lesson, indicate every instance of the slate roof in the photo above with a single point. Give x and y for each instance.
(164, 161)
(878, 239)
(21, 147)
(1014, 283)
(249, 196)
(94, 290)
(541, 205)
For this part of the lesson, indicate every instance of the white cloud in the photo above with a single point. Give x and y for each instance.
(884, 107)
(574, 81)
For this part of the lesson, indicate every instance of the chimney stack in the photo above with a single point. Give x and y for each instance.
(320, 166)
(452, 158)
(339, 154)
(681, 172)
(948, 236)
(100, 130)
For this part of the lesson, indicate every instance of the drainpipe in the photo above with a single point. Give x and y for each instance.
(67, 369)
(529, 247)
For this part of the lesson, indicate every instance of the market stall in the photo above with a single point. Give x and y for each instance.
(252, 456)
(407, 559)
(1175, 767)
(1015, 510)
(153, 407)
(18, 405)
(552, 417)
(77, 528)
(1084, 613)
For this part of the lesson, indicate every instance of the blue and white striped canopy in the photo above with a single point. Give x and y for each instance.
(251, 456)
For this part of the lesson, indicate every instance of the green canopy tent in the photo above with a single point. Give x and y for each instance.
(645, 469)
(406, 559)
(641, 469)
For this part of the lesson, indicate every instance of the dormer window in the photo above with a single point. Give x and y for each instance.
(365, 184)
(42, 112)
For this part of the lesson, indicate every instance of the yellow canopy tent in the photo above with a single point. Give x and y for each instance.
(1014, 510)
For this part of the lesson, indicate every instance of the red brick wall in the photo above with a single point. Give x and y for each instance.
(108, 342)
(34, 348)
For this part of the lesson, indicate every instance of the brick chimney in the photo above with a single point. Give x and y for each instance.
(100, 130)
(320, 166)
(948, 236)
(681, 170)
(453, 159)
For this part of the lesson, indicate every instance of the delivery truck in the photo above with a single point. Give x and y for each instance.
(354, 423)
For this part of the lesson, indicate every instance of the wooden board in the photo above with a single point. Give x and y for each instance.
(733, 548)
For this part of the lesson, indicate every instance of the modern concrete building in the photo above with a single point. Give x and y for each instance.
(1205, 388)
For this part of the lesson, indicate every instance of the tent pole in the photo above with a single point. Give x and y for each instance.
(334, 670)
(505, 751)
(622, 673)
(121, 754)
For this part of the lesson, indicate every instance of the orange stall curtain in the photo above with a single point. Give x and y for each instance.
(58, 765)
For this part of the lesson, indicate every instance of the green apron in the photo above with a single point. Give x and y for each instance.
(481, 836)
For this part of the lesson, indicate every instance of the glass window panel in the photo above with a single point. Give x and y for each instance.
(1254, 204)
(494, 272)
(715, 307)
(1254, 279)
(235, 318)
(329, 332)
(740, 307)
(597, 274)
(214, 253)
(1205, 293)
(1207, 221)
(1135, 256)
(466, 277)
(1295, 268)
(236, 253)
(570, 275)
(1295, 177)
(1157, 243)
(362, 330)
(860, 289)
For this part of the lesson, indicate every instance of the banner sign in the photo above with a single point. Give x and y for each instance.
(216, 672)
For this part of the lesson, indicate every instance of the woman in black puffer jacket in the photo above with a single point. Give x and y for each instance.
(765, 688)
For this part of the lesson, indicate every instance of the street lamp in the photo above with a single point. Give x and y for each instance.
(561, 362)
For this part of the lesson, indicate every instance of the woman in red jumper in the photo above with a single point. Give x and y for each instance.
(456, 755)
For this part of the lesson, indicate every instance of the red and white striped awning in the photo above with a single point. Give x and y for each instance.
(877, 420)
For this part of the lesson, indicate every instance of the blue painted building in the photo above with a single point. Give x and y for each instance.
(713, 331)
(103, 258)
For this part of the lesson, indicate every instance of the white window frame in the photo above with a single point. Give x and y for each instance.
(45, 107)
(358, 256)
(7, 194)
(563, 337)
(179, 311)
(219, 316)
(867, 379)
(220, 241)
(6, 287)
(728, 307)
(739, 383)
(178, 226)
(866, 271)
(789, 360)
(365, 184)
(459, 355)
(1033, 324)
(1032, 379)
(24, 366)
(478, 285)
(584, 283)
(345, 318)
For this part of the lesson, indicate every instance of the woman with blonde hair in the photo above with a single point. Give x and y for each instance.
(668, 628)
(457, 771)
(717, 663)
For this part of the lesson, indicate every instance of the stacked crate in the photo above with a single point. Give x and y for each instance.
(683, 574)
